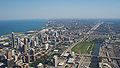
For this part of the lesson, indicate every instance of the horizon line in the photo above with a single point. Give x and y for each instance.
(53, 19)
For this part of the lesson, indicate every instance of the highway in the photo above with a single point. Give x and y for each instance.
(94, 28)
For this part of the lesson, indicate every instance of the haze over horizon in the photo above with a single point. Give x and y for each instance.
(44, 9)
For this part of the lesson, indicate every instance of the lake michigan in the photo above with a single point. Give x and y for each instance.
(8, 26)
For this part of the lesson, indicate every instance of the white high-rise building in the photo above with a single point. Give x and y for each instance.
(18, 40)
(37, 40)
(35, 44)
(55, 60)
(40, 65)
(13, 52)
(46, 46)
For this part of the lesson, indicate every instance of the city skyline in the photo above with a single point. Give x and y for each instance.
(59, 34)
(44, 9)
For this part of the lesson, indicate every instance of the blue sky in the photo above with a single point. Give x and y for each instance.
(39, 9)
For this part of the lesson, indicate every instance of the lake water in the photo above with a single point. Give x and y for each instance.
(7, 27)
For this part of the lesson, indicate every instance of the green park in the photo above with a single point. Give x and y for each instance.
(85, 47)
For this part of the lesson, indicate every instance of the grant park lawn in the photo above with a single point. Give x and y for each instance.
(85, 47)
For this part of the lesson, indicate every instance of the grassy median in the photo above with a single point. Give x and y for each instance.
(85, 47)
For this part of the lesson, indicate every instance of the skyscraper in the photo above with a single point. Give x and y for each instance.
(25, 49)
(13, 40)
(40, 65)
(25, 41)
(9, 54)
(55, 60)
(18, 42)
(37, 40)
